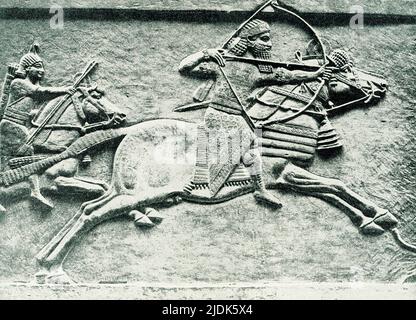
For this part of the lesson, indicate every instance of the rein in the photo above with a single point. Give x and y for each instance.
(80, 112)
(276, 7)
(59, 105)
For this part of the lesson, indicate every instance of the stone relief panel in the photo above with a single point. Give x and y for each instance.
(178, 151)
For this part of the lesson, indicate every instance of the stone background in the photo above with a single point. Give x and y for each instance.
(307, 240)
(388, 7)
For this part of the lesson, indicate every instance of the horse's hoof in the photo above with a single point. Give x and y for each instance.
(268, 199)
(141, 220)
(42, 202)
(386, 220)
(361, 221)
(372, 229)
(154, 215)
(59, 278)
(144, 222)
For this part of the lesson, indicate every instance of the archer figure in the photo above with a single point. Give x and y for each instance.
(226, 115)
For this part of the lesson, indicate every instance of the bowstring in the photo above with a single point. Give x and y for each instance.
(275, 5)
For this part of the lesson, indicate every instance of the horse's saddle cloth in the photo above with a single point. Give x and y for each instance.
(215, 167)
(265, 102)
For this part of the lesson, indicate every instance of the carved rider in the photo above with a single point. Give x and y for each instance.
(254, 40)
(26, 95)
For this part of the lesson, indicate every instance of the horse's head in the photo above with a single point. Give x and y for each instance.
(350, 86)
(99, 112)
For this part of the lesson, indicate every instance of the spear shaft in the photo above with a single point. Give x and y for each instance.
(35, 133)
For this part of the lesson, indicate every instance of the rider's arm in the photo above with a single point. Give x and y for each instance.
(284, 76)
(300, 76)
(191, 62)
(26, 88)
(51, 92)
(198, 65)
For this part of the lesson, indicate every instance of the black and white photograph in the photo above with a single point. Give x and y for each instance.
(208, 150)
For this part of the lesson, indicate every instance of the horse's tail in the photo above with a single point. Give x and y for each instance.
(402, 243)
(76, 149)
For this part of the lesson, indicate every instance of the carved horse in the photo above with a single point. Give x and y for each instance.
(86, 111)
(155, 162)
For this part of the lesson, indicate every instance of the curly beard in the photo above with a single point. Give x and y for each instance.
(264, 53)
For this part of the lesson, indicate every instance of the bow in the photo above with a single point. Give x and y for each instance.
(243, 109)
(276, 7)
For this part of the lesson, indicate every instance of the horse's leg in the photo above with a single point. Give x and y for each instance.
(14, 193)
(365, 224)
(146, 218)
(85, 207)
(63, 179)
(117, 206)
(79, 185)
(299, 179)
(102, 184)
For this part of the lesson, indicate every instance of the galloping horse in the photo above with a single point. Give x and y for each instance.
(87, 110)
(156, 159)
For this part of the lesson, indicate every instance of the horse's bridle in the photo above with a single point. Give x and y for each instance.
(79, 110)
(275, 5)
(97, 125)
(368, 96)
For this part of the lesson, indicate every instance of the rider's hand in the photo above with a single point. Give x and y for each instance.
(33, 113)
(260, 125)
(70, 90)
(216, 55)
(119, 118)
(325, 72)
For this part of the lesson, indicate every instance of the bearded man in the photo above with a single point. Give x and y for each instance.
(225, 120)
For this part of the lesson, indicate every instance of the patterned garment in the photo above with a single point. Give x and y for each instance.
(222, 141)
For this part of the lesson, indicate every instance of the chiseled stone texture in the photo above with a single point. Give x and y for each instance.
(403, 7)
(306, 240)
(221, 291)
